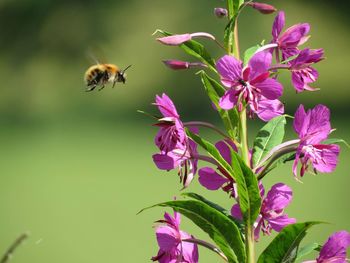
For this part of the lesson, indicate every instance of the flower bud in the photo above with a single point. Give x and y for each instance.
(176, 40)
(263, 8)
(178, 64)
(220, 12)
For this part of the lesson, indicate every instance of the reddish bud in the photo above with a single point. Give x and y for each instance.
(262, 7)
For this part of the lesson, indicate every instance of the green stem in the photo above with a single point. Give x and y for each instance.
(243, 136)
(249, 244)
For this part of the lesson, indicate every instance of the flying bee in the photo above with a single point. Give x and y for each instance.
(101, 74)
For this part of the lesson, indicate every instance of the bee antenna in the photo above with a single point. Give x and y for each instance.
(126, 69)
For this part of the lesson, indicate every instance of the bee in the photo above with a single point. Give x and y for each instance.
(101, 74)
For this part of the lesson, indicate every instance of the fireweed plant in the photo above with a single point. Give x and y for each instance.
(240, 88)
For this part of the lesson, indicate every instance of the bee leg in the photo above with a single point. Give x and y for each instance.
(102, 87)
(90, 88)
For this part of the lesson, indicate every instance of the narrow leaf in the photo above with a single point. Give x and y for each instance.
(219, 227)
(285, 245)
(305, 250)
(215, 91)
(219, 208)
(229, 35)
(195, 49)
(212, 151)
(268, 137)
(248, 189)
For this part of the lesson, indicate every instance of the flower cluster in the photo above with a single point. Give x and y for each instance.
(239, 89)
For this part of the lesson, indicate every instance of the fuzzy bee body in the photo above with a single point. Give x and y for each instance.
(101, 74)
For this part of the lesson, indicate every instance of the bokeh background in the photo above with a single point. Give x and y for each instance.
(76, 167)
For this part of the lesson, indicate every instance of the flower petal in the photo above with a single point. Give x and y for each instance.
(167, 237)
(278, 25)
(164, 162)
(210, 179)
(319, 125)
(166, 106)
(281, 222)
(329, 154)
(335, 246)
(236, 212)
(279, 197)
(270, 88)
(230, 70)
(229, 100)
(175, 40)
(269, 109)
(294, 35)
(259, 64)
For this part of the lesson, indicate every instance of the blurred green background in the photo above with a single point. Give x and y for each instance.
(76, 167)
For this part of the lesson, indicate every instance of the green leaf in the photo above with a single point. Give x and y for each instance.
(212, 151)
(336, 141)
(234, 6)
(305, 250)
(219, 227)
(247, 184)
(229, 35)
(248, 189)
(249, 53)
(218, 208)
(215, 91)
(285, 245)
(195, 49)
(268, 137)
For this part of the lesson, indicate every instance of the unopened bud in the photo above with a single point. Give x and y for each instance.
(262, 7)
(178, 64)
(220, 12)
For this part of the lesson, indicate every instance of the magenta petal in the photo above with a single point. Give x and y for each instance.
(299, 118)
(230, 70)
(189, 250)
(166, 106)
(269, 109)
(270, 88)
(281, 222)
(278, 197)
(329, 158)
(236, 212)
(175, 40)
(210, 179)
(278, 25)
(318, 127)
(167, 237)
(229, 100)
(335, 247)
(294, 35)
(259, 64)
(164, 162)
(224, 148)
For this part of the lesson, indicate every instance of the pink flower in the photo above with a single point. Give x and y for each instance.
(293, 37)
(172, 247)
(177, 151)
(250, 85)
(313, 127)
(176, 40)
(334, 250)
(171, 130)
(214, 180)
(272, 214)
(302, 72)
(262, 7)
(178, 64)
